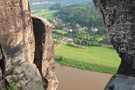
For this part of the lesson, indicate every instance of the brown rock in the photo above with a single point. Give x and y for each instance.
(44, 52)
(16, 35)
(18, 42)
(24, 77)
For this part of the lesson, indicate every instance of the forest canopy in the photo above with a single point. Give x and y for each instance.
(84, 14)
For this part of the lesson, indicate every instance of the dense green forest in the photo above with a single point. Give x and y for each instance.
(57, 6)
(84, 14)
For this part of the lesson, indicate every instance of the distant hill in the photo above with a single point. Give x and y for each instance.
(61, 1)
(45, 4)
(84, 14)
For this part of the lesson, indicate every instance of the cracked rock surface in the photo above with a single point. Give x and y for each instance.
(119, 19)
(23, 43)
(24, 77)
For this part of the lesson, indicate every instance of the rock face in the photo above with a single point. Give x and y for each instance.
(118, 17)
(121, 82)
(44, 52)
(25, 77)
(28, 51)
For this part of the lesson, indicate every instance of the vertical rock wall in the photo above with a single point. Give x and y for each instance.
(16, 34)
(16, 29)
(27, 67)
(44, 52)
(119, 19)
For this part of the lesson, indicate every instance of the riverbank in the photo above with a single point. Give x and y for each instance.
(98, 59)
(86, 66)
(76, 79)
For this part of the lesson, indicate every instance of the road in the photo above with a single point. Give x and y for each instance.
(59, 45)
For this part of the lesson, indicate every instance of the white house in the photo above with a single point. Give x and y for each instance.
(78, 26)
(69, 40)
(70, 30)
(94, 29)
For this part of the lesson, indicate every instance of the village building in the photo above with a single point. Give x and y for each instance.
(72, 43)
(69, 30)
(64, 28)
(86, 28)
(83, 28)
(60, 20)
(68, 40)
(94, 29)
(55, 22)
(57, 19)
(78, 26)
(80, 29)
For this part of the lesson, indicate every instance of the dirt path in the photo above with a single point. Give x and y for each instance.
(59, 45)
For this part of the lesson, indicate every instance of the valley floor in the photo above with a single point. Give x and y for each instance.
(99, 59)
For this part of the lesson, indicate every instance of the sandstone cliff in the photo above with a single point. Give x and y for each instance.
(118, 17)
(28, 47)
(44, 55)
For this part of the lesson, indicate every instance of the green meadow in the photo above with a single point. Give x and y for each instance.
(99, 59)
(46, 14)
(60, 31)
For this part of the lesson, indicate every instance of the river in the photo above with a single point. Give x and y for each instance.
(75, 79)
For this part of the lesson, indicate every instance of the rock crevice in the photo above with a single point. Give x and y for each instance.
(44, 52)
(28, 46)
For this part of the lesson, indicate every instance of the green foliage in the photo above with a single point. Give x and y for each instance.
(57, 6)
(56, 32)
(86, 66)
(57, 42)
(58, 26)
(100, 44)
(40, 6)
(84, 14)
(10, 87)
(47, 14)
(60, 31)
(103, 56)
(61, 58)
(85, 39)
(50, 20)
(99, 59)
(106, 40)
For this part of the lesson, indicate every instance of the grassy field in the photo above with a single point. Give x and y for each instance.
(46, 14)
(100, 59)
(60, 31)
